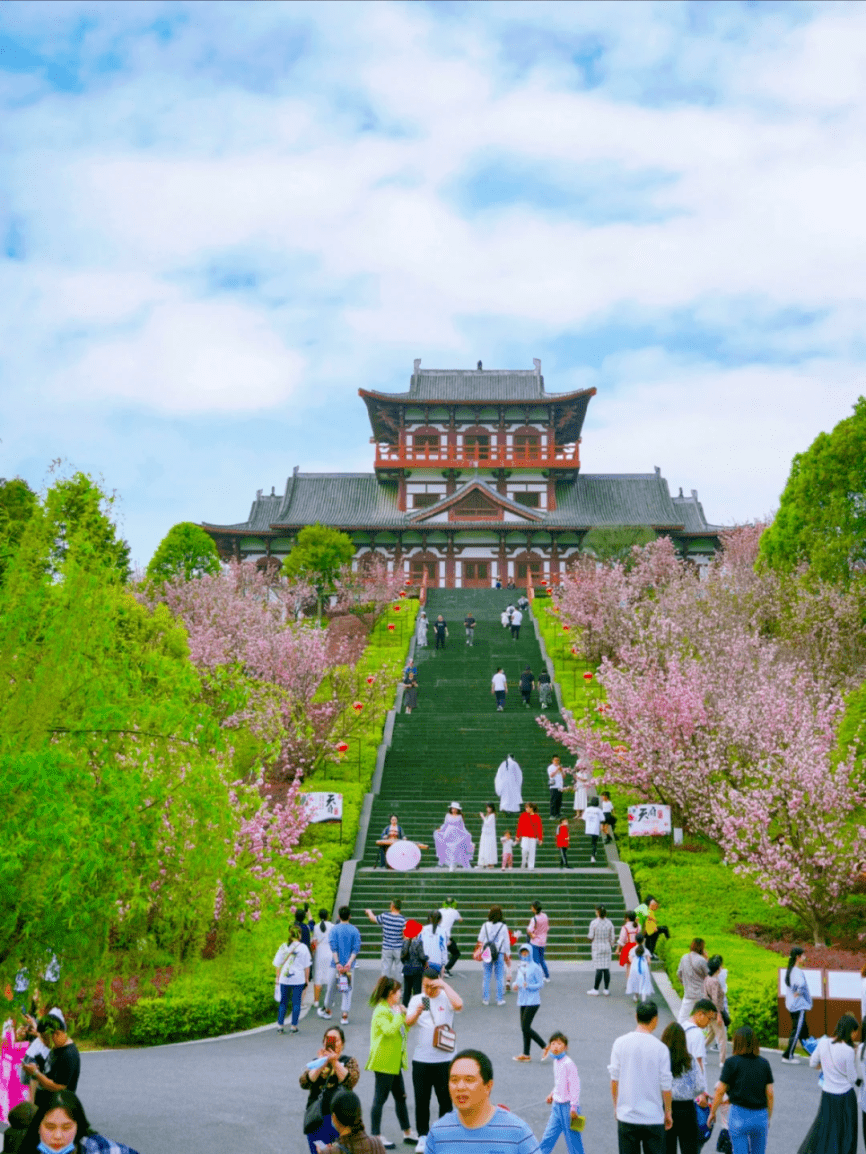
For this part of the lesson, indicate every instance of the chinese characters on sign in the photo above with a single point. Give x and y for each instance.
(648, 820)
(323, 806)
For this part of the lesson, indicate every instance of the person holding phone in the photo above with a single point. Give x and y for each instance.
(432, 1012)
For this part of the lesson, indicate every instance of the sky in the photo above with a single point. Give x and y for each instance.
(219, 220)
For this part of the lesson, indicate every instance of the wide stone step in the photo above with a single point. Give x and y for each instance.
(449, 749)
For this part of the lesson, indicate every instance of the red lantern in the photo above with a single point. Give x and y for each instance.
(357, 706)
(555, 608)
(566, 629)
(408, 581)
(402, 594)
(587, 677)
(371, 678)
(602, 708)
(342, 747)
(391, 628)
(574, 651)
(396, 608)
(544, 581)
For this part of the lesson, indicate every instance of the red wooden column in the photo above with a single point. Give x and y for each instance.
(450, 569)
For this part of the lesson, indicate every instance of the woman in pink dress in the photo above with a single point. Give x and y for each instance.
(453, 841)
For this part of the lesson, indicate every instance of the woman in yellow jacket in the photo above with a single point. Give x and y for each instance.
(388, 1057)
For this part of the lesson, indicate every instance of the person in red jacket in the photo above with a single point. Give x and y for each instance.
(531, 834)
(562, 842)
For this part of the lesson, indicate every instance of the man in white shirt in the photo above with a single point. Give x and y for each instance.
(640, 1085)
(499, 687)
(435, 1006)
(450, 915)
(555, 781)
(696, 1042)
(516, 620)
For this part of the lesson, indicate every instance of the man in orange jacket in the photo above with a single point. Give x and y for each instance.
(531, 834)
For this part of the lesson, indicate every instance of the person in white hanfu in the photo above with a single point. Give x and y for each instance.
(582, 778)
(421, 630)
(509, 786)
(488, 856)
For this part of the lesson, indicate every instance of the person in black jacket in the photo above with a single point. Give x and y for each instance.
(527, 680)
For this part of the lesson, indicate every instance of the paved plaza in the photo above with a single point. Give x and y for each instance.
(241, 1093)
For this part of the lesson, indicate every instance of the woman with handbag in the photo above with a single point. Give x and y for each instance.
(687, 1085)
(834, 1130)
(348, 1120)
(747, 1079)
(432, 1012)
(292, 962)
(493, 948)
(330, 1072)
(714, 990)
(388, 1057)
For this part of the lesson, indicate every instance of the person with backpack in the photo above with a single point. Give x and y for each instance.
(527, 680)
(412, 957)
(493, 948)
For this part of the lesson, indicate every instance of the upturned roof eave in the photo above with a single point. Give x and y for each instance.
(411, 398)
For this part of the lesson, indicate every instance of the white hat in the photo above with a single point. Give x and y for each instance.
(456, 805)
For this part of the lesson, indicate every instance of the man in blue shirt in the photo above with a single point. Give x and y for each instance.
(344, 942)
(475, 1121)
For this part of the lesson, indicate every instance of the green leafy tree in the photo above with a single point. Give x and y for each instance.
(116, 824)
(185, 551)
(318, 557)
(17, 505)
(76, 507)
(822, 514)
(616, 542)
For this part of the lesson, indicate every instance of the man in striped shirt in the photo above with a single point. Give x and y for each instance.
(393, 923)
(475, 1125)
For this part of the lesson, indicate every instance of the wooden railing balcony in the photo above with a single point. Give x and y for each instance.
(477, 456)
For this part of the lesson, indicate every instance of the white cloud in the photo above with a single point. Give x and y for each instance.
(190, 357)
(320, 146)
(729, 432)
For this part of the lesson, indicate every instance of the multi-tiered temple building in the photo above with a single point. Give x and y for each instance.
(477, 479)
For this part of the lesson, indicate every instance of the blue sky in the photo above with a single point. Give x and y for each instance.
(219, 220)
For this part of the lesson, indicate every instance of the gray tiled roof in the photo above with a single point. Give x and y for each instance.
(347, 500)
(476, 385)
(615, 499)
(691, 513)
(339, 499)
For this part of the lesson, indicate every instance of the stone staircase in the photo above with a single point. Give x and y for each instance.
(449, 749)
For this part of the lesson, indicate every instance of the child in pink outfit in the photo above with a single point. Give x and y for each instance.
(507, 850)
(564, 1098)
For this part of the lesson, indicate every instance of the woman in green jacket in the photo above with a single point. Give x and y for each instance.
(388, 1057)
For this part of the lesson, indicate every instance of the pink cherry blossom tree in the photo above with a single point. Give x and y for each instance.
(723, 699)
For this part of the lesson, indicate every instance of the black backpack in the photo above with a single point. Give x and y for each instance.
(411, 953)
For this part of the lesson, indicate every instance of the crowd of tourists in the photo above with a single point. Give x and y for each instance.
(664, 1096)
